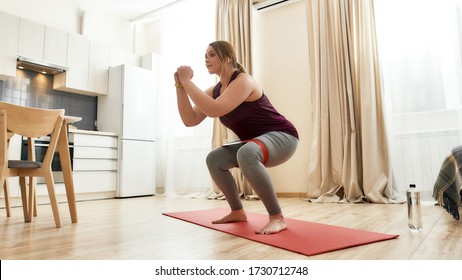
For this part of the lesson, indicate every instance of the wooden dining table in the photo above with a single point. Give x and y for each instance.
(65, 159)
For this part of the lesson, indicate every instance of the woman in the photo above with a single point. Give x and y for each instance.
(242, 106)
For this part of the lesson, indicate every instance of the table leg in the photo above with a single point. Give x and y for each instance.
(65, 158)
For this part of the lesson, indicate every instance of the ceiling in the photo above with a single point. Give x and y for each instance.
(129, 9)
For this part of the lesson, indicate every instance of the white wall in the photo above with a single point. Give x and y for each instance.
(67, 15)
(108, 29)
(64, 15)
(280, 50)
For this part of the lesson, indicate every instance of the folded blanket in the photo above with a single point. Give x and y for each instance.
(447, 187)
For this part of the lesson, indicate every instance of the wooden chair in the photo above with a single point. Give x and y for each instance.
(30, 123)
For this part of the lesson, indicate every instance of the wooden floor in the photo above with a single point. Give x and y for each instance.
(134, 229)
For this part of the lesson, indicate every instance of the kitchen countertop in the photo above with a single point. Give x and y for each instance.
(91, 132)
(72, 119)
(72, 129)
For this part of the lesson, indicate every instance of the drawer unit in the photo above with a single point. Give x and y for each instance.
(93, 140)
(95, 162)
(96, 181)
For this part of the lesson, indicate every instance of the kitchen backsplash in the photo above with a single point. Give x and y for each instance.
(36, 90)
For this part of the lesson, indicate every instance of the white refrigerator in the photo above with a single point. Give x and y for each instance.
(129, 110)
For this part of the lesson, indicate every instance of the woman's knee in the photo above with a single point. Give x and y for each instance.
(212, 159)
(249, 154)
(220, 158)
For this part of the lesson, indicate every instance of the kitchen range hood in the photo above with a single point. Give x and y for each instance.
(35, 65)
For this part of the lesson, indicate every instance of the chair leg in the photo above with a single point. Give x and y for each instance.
(35, 200)
(54, 203)
(32, 205)
(6, 193)
(25, 207)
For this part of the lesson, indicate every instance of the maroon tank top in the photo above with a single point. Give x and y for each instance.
(254, 118)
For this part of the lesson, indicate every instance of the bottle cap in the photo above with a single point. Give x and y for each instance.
(412, 185)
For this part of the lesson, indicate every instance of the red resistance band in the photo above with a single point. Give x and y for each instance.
(262, 147)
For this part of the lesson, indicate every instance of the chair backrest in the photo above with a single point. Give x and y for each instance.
(31, 123)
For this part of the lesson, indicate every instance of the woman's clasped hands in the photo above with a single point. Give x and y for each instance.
(184, 73)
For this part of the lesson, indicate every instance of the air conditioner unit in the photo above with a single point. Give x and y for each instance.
(267, 5)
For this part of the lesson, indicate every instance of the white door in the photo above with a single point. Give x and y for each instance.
(136, 168)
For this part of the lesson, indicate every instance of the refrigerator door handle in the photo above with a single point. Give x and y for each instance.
(121, 150)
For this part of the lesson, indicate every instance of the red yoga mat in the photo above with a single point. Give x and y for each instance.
(301, 237)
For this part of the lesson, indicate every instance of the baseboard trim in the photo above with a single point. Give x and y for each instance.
(290, 194)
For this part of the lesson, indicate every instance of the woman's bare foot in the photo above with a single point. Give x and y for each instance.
(276, 224)
(232, 217)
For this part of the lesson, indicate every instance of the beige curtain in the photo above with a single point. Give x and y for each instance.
(349, 156)
(233, 24)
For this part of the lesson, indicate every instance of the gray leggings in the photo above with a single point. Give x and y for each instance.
(248, 157)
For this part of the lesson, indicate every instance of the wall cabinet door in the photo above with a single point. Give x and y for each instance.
(9, 28)
(42, 43)
(55, 46)
(31, 39)
(77, 61)
(76, 78)
(88, 63)
(98, 68)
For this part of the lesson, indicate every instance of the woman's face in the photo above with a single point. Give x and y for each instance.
(212, 62)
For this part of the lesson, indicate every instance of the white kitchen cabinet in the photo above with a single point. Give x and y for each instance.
(88, 63)
(9, 28)
(42, 43)
(94, 166)
(76, 78)
(95, 162)
(55, 46)
(95, 182)
(31, 39)
(98, 68)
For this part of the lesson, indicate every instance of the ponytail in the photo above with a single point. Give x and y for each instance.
(239, 67)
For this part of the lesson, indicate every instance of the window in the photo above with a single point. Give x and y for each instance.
(180, 36)
(420, 48)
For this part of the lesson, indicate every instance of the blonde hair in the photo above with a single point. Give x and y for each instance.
(224, 51)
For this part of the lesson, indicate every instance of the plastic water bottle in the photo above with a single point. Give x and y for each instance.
(413, 209)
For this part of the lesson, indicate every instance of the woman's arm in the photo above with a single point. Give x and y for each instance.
(236, 93)
(190, 115)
